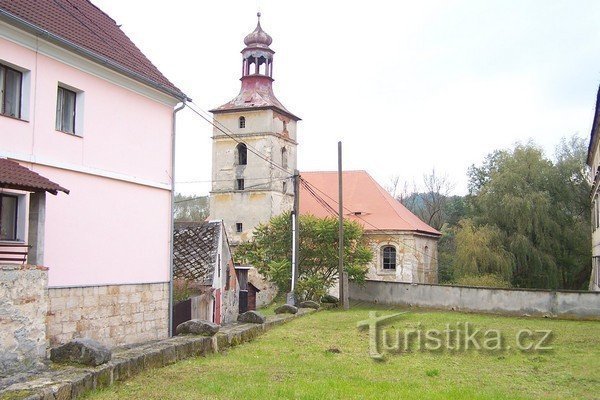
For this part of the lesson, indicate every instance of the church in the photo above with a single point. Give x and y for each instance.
(254, 159)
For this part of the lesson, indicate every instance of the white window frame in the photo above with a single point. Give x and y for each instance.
(24, 97)
(22, 215)
(79, 110)
(381, 262)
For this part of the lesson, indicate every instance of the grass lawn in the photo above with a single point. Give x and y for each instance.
(292, 362)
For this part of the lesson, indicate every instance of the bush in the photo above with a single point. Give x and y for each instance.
(487, 280)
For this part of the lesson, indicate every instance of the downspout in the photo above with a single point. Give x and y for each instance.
(172, 218)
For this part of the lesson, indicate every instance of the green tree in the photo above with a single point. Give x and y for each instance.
(270, 252)
(534, 208)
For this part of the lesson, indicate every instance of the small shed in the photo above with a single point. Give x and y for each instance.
(247, 290)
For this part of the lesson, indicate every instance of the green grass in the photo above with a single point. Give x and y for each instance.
(293, 362)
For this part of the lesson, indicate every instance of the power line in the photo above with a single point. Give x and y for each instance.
(362, 219)
(229, 180)
(230, 135)
(245, 187)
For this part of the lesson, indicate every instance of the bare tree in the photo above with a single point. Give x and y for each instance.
(428, 202)
(437, 189)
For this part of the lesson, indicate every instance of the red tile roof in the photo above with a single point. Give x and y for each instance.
(365, 201)
(85, 25)
(16, 176)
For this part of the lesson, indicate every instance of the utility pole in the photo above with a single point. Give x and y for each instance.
(342, 275)
(291, 297)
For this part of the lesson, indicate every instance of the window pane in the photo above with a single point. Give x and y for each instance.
(8, 218)
(12, 93)
(65, 110)
(389, 257)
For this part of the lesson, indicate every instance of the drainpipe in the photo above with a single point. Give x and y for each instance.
(172, 219)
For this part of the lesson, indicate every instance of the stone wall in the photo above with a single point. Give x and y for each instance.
(572, 304)
(23, 308)
(113, 314)
(416, 257)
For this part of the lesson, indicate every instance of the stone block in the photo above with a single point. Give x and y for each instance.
(309, 304)
(81, 351)
(286, 309)
(253, 317)
(197, 327)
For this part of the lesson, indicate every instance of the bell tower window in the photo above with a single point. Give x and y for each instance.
(242, 122)
(284, 159)
(241, 154)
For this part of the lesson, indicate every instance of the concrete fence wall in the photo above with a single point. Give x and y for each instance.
(23, 308)
(573, 304)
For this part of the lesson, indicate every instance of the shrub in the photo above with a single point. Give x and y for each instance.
(486, 280)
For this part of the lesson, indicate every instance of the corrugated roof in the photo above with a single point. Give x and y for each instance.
(83, 24)
(15, 176)
(365, 202)
(195, 248)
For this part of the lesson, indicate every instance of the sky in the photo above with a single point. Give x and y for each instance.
(407, 86)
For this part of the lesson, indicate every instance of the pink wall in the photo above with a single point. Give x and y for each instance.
(105, 230)
(123, 131)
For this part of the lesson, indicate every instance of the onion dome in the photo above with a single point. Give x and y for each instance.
(258, 37)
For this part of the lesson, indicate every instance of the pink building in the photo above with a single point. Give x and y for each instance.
(82, 106)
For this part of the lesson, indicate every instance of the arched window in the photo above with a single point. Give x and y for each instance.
(242, 122)
(388, 257)
(284, 162)
(426, 257)
(241, 154)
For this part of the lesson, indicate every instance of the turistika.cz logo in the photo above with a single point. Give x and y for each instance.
(455, 337)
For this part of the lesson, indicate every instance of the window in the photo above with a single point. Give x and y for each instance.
(242, 154)
(284, 187)
(10, 91)
(239, 227)
(8, 217)
(65, 110)
(284, 161)
(388, 259)
(242, 122)
(239, 184)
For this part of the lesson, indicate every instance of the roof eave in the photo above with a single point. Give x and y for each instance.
(58, 40)
(594, 132)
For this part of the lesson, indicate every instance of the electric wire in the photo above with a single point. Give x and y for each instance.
(335, 212)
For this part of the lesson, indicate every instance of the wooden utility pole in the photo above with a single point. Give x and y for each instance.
(291, 297)
(342, 276)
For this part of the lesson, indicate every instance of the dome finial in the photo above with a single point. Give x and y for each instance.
(258, 37)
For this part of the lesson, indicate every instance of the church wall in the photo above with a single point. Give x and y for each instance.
(416, 257)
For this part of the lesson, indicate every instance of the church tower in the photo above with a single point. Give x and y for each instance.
(246, 189)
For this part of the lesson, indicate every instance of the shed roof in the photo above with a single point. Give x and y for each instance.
(15, 176)
(195, 248)
(81, 24)
(365, 202)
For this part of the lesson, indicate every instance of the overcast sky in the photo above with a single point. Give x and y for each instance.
(406, 85)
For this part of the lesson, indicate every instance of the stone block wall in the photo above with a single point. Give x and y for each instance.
(23, 308)
(112, 314)
(571, 304)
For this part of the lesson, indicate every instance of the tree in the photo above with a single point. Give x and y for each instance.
(430, 203)
(190, 208)
(270, 252)
(537, 209)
